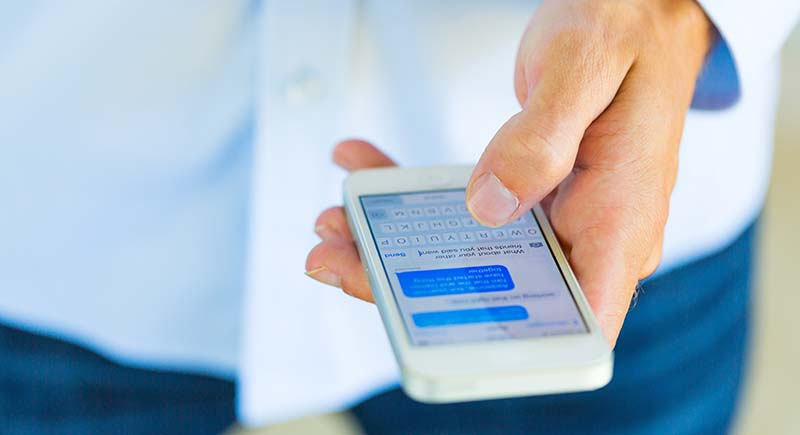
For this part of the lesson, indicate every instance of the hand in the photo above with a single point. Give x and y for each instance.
(604, 87)
(335, 260)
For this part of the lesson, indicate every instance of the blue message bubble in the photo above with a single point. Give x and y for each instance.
(475, 315)
(461, 280)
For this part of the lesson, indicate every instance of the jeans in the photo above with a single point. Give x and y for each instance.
(48, 386)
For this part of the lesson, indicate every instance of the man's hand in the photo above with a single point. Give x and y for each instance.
(335, 260)
(604, 87)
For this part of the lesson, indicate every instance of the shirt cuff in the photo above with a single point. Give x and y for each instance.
(718, 86)
(750, 35)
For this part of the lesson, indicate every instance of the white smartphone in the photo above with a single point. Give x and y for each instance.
(472, 312)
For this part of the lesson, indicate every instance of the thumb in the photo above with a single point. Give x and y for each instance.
(564, 87)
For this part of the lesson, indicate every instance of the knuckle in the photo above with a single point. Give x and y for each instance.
(548, 152)
(652, 262)
(603, 31)
(626, 17)
(349, 288)
(651, 265)
(346, 289)
(355, 291)
(328, 214)
(315, 256)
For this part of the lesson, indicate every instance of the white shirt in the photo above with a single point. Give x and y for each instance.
(128, 131)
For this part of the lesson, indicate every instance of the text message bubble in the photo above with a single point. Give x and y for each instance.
(461, 280)
(475, 315)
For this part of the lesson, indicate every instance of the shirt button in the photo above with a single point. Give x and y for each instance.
(304, 86)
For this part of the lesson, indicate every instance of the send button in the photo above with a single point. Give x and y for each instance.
(476, 315)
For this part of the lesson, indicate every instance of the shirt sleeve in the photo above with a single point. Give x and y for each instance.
(750, 35)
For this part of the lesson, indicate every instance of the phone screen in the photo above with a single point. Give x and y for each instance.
(456, 281)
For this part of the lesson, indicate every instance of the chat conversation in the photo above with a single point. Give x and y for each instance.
(476, 315)
(456, 281)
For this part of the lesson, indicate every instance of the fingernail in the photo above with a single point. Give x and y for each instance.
(491, 202)
(325, 276)
(325, 232)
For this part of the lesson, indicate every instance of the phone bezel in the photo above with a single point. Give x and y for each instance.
(549, 352)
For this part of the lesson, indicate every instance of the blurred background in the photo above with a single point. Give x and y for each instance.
(770, 401)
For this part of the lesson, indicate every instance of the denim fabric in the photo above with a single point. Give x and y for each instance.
(48, 386)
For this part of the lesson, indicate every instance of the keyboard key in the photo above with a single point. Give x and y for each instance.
(462, 208)
(404, 227)
(484, 235)
(401, 241)
(467, 236)
(532, 231)
(516, 233)
(417, 240)
(384, 242)
(499, 234)
(431, 211)
(434, 239)
(448, 209)
(450, 237)
(415, 213)
(453, 223)
(421, 226)
(436, 225)
(388, 228)
(468, 222)
(378, 214)
(399, 213)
